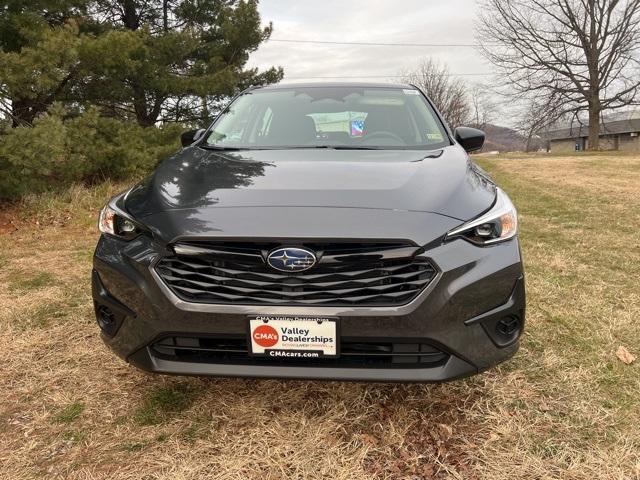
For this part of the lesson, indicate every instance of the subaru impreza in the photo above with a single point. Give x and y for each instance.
(318, 231)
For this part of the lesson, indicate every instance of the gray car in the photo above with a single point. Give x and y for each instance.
(319, 231)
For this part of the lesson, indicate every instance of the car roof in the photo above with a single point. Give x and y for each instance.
(277, 86)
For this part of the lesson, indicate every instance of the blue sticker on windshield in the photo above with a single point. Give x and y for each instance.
(357, 128)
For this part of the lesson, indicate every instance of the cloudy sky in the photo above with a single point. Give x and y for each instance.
(378, 21)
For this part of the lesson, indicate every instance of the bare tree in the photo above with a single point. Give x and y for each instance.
(579, 53)
(535, 117)
(449, 94)
(483, 105)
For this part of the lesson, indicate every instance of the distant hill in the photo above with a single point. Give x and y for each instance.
(503, 139)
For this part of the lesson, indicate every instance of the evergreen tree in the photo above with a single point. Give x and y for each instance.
(38, 55)
(147, 61)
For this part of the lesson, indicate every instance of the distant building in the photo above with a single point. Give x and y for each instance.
(623, 135)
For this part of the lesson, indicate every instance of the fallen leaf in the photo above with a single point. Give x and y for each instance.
(445, 431)
(369, 440)
(427, 471)
(625, 355)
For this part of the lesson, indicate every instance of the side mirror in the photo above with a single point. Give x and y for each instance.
(471, 139)
(187, 138)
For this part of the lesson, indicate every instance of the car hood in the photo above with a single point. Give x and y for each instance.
(444, 182)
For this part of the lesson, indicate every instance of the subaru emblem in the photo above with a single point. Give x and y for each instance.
(291, 259)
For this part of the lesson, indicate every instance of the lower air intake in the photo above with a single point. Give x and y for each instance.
(355, 353)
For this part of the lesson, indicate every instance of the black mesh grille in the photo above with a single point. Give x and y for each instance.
(354, 353)
(362, 274)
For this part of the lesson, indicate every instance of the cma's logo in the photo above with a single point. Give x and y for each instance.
(291, 259)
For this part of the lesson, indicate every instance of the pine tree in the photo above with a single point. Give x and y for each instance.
(148, 61)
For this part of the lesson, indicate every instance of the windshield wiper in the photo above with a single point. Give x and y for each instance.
(327, 147)
(359, 147)
(301, 147)
(223, 149)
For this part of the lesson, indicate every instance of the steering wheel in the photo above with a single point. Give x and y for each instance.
(382, 133)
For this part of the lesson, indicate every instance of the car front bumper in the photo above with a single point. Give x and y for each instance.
(462, 314)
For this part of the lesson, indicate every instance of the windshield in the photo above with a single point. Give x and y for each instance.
(329, 117)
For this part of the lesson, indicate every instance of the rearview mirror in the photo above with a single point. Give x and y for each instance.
(471, 139)
(187, 138)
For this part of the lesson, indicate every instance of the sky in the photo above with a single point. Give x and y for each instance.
(381, 21)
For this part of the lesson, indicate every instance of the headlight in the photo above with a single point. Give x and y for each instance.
(497, 225)
(113, 222)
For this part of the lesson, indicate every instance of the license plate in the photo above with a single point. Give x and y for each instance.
(290, 337)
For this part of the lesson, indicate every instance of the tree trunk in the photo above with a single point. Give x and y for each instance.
(594, 124)
(165, 15)
(140, 107)
(205, 111)
(24, 112)
(130, 16)
(147, 111)
(593, 56)
(527, 147)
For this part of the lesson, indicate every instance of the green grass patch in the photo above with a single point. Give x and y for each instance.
(133, 447)
(35, 282)
(84, 255)
(74, 198)
(189, 435)
(162, 403)
(40, 318)
(69, 413)
(607, 156)
(75, 437)
(46, 314)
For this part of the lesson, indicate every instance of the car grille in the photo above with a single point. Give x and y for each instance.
(347, 274)
(354, 353)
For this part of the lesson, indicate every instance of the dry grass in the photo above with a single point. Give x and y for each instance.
(564, 408)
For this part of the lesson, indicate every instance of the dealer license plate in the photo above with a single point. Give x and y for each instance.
(283, 337)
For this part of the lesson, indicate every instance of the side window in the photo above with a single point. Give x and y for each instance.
(265, 124)
(234, 126)
(430, 131)
(413, 132)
